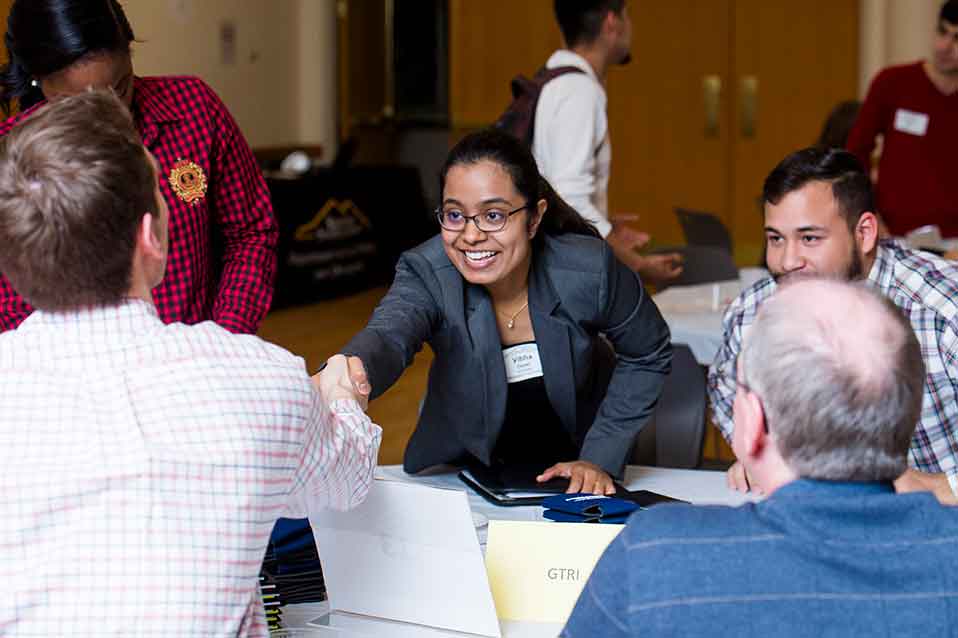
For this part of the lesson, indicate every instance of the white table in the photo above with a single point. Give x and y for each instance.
(695, 486)
(694, 313)
(929, 238)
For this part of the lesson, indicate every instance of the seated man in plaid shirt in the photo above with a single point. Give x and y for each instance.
(820, 221)
(145, 463)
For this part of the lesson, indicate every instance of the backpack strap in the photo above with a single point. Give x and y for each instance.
(522, 85)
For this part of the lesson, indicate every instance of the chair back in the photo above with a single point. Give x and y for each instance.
(675, 434)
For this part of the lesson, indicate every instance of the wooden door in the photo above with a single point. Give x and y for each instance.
(363, 67)
(669, 115)
(792, 62)
(490, 41)
(4, 14)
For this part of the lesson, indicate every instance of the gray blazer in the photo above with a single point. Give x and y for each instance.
(577, 292)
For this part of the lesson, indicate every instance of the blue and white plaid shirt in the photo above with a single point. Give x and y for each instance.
(926, 289)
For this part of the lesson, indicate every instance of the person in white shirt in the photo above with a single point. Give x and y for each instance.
(144, 464)
(571, 135)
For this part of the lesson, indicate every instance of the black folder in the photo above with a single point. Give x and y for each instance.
(516, 485)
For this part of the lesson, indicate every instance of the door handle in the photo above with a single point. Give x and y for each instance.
(749, 99)
(712, 100)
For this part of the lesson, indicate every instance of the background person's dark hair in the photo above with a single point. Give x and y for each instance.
(75, 182)
(838, 125)
(46, 36)
(850, 184)
(949, 13)
(516, 159)
(581, 20)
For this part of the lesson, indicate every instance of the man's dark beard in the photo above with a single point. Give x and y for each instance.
(854, 271)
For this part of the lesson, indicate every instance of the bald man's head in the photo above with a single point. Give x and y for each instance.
(840, 375)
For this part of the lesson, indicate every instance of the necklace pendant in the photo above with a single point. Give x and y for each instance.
(511, 324)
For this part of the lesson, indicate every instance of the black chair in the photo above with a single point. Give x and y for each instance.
(675, 434)
(704, 229)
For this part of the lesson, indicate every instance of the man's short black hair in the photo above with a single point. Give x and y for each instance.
(949, 13)
(851, 187)
(581, 20)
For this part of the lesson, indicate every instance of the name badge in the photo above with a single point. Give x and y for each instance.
(522, 362)
(537, 570)
(911, 122)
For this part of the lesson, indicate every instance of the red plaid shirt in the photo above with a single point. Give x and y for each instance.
(222, 258)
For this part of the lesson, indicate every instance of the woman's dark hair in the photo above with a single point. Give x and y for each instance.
(839, 124)
(949, 12)
(46, 36)
(516, 159)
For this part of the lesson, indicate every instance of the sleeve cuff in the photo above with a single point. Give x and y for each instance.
(603, 226)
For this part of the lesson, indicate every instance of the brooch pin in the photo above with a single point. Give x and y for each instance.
(188, 181)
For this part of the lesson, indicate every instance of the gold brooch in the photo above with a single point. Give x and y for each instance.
(188, 181)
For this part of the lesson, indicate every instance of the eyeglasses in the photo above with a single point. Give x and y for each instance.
(491, 221)
(739, 384)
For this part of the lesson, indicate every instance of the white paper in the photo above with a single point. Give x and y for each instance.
(408, 553)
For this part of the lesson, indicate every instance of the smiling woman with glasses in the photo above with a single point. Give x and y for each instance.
(548, 352)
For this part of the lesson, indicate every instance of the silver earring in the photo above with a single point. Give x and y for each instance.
(34, 83)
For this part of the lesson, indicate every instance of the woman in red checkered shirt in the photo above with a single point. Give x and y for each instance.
(222, 231)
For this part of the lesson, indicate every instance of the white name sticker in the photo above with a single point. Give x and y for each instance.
(911, 122)
(522, 362)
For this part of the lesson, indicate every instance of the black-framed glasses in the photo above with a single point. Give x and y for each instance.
(491, 221)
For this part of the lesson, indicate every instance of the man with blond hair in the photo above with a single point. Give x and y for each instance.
(145, 464)
(828, 392)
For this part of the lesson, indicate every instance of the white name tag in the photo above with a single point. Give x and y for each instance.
(522, 362)
(911, 122)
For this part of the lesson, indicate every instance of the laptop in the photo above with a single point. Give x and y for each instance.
(406, 560)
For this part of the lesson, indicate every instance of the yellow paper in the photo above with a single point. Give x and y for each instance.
(537, 570)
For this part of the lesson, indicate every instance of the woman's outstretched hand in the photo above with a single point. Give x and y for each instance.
(583, 477)
(343, 378)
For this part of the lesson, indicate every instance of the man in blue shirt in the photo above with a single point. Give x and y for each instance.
(829, 387)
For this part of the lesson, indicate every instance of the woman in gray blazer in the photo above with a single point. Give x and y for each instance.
(547, 349)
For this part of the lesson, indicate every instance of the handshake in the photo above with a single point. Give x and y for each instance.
(343, 378)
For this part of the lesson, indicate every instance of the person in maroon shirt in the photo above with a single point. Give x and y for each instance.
(914, 107)
(223, 234)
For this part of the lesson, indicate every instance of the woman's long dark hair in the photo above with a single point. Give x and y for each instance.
(46, 36)
(516, 159)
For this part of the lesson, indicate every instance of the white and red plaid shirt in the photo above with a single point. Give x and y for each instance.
(925, 288)
(145, 465)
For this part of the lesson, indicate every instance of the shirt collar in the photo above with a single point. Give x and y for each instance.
(883, 270)
(804, 487)
(129, 318)
(565, 57)
(151, 103)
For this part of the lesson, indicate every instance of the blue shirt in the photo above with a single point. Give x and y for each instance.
(815, 559)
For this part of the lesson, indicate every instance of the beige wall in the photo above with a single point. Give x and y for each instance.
(281, 84)
(893, 32)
